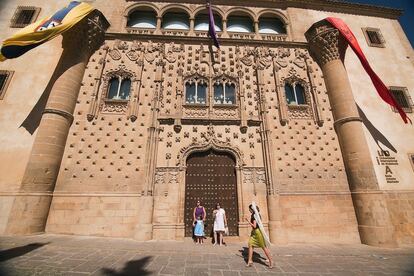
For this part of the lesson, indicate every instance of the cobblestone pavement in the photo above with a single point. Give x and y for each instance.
(75, 255)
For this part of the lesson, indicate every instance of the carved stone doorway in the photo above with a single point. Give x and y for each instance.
(211, 178)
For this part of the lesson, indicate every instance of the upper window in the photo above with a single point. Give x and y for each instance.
(176, 21)
(196, 91)
(271, 25)
(202, 22)
(295, 94)
(119, 89)
(224, 92)
(5, 77)
(374, 37)
(142, 19)
(240, 24)
(24, 16)
(402, 97)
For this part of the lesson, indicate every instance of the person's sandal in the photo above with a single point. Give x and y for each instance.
(249, 264)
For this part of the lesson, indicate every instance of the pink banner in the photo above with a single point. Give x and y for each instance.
(382, 90)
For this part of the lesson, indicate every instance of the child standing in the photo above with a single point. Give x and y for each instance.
(199, 230)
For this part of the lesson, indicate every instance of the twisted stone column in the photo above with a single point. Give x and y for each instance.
(328, 47)
(31, 206)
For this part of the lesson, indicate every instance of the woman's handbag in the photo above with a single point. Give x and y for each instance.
(226, 231)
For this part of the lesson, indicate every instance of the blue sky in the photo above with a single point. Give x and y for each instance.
(407, 19)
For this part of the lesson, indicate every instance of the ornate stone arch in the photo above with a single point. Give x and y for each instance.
(243, 10)
(281, 16)
(176, 6)
(215, 9)
(192, 75)
(136, 6)
(208, 144)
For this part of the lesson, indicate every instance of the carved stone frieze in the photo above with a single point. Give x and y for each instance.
(300, 112)
(195, 111)
(253, 177)
(114, 107)
(223, 112)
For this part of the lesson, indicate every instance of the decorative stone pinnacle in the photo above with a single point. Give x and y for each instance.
(325, 42)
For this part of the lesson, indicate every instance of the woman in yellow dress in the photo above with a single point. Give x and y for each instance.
(258, 237)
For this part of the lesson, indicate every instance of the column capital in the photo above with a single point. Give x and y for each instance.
(88, 35)
(325, 42)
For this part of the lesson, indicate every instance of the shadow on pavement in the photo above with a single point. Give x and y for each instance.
(134, 267)
(256, 256)
(19, 251)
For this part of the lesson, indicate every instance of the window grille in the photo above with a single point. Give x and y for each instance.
(374, 37)
(5, 77)
(24, 16)
(401, 96)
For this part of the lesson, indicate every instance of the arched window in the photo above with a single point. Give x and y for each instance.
(240, 24)
(224, 92)
(271, 25)
(146, 19)
(195, 91)
(202, 22)
(119, 89)
(176, 20)
(295, 94)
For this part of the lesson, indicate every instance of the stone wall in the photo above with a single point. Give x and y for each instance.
(317, 218)
(107, 184)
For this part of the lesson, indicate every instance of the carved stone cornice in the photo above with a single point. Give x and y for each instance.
(325, 42)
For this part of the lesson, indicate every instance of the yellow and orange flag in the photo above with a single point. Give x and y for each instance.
(44, 30)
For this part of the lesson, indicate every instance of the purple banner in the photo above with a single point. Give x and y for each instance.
(211, 25)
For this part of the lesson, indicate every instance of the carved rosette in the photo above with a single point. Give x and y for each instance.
(325, 42)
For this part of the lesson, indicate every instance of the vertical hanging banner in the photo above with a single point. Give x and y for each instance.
(44, 30)
(382, 90)
(211, 25)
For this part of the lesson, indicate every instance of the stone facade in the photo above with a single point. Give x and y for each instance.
(334, 169)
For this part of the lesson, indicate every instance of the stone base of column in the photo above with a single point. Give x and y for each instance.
(275, 216)
(374, 222)
(28, 215)
(144, 226)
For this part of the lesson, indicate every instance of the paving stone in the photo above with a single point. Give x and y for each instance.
(72, 255)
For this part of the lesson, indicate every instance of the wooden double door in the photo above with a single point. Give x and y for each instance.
(211, 178)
